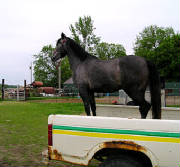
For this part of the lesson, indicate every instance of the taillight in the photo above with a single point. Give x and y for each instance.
(50, 134)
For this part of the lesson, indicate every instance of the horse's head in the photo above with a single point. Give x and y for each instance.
(60, 50)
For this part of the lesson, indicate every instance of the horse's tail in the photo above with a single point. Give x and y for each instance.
(155, 90)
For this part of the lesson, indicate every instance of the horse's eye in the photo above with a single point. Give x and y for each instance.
(58, 42)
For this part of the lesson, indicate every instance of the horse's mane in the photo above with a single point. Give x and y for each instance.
(82, 54)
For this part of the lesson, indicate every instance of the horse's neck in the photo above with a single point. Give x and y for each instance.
(74, 60)
(76, 55)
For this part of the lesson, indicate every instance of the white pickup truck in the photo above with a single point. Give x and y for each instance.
(117, 142)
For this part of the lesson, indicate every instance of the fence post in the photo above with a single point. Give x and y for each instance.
(17, 93)
(25, 90)
(2, 89)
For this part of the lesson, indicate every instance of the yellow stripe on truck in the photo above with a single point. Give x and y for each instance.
(117, 136)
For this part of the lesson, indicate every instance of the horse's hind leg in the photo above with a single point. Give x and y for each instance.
(144, 107)
(138, 98)
(92, 103)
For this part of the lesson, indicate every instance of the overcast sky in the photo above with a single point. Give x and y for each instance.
(27, 25)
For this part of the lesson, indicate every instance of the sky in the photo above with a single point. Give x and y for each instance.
(28, 25)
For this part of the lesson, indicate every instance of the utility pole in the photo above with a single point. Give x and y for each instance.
(30, 72)
(59, 77)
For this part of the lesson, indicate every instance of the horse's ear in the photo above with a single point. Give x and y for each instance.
(63, 36)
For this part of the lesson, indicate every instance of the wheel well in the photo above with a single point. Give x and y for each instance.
(113, 153)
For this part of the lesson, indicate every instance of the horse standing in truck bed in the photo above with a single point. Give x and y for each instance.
(130, 73)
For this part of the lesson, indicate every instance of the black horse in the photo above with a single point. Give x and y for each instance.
(130, 73)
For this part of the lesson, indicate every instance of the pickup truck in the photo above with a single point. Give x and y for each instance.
(116, 142)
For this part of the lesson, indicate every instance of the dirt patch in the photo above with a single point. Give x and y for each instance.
(170, 100)
(105, 100)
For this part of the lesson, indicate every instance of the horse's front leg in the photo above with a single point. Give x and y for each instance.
(93, 103)
(85, 97)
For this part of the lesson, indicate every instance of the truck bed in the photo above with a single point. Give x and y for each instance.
(77, 139)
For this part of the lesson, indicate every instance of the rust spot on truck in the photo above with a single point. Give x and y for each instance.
(128, 145)
(57, 155)
(54, 154)
(49, 152)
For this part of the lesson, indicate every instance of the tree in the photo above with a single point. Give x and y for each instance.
(160, 45)
(150, 38)
(66, 72)
(45, 71)
(168, 57)
(83, 33)
(107, 51)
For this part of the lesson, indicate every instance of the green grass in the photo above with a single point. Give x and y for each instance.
(177, 106)
(23, 131)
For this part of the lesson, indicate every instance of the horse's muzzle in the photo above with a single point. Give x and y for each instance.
(54, 57)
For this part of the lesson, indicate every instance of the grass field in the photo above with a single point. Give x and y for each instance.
(23, 131)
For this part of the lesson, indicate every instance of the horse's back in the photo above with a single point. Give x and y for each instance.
(112, 75)
(132, 61)
(100, 75)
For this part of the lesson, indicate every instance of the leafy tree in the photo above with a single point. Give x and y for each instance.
(168, 57)
(161, 46)
(83, 33)
(150, 38)
(44, 70)
(107, 51)
(66, 72)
